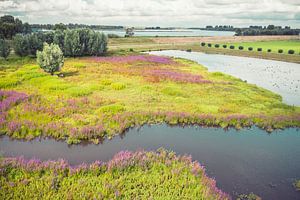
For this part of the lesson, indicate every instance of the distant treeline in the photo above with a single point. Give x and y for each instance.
(72, 26)
(267, 30)
(77, 42)
(10, 26)
(254, 30)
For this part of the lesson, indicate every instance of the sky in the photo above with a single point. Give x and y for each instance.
(164, 13)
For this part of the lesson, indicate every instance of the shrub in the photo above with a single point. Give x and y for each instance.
(280, 51)
(231, 47)
(209, 44)
(131, 49)
(189, 50)
(250, 48)
(51, 59)
(241, 47)
(224, 46)
(4, 48)
(112, 35)
(291, 51)
(203, 44)
(269, 50)
(20, 45)
(259, 49)
(217, 45)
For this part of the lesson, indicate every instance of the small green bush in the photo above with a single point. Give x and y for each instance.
(269, 50)
(259, 49)
(131, 50)
(241, 47)
(202, 44)
(280, 51)
(291, 51)
(51, 59)
(231, 47)
(209, 44)
(217, 45)
(224, 46)
(189, 50)
(250, 48)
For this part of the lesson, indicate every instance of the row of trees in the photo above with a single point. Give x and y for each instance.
(9, 26)
(81, 42)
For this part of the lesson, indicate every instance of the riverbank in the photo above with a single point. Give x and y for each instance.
(119, 45)
(100, 97)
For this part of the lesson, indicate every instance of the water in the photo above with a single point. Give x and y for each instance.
(180, 32)
(280, 77)
(249, 160)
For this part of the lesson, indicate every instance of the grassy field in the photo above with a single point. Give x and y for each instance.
(129, 175)
(98, 97)
(273, 45)
(193, 43)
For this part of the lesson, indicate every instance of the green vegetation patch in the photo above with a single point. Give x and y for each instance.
(129, 175)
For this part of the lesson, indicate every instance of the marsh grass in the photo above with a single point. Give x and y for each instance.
(106, 96)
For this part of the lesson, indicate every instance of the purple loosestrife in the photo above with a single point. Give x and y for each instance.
(134, 58)
(10, 98)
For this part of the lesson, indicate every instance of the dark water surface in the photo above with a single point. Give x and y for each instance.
(249, 160)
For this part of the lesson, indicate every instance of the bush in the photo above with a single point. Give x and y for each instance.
(280, 51)
(259, 49)
(20, 45)
(4, 48)
(203, 44)
(131, 50)
(209, 45)
(112, 35)
(291, 51)
(250, 48)
(241, 47)
(189, 50)
(217, 45)
(269, 50)
(51, 59)
(231, 47)
(224, 46)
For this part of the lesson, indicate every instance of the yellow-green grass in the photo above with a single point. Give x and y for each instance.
(285, 45)
(96, 99)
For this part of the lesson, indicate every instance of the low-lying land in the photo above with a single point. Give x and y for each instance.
(193, 43)
(129, 175)
(98, 97)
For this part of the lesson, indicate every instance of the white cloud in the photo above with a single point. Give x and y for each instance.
(156, 12)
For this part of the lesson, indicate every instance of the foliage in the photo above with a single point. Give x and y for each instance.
(259, 49)
(280, 51)
(129, 175)
(217, 45)
(4, 48)
(224, 46)
(269, 50)
(250, 48)
(291, 51)
(101, 97)
(10, 26)
(231, 47)
(51, 59)
(241, 47)
(20, 45)
(297, 185)
(250, 196)
(202, 44)
(209, 45)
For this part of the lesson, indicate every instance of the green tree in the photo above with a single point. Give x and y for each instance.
(4, 48)
(51, 59)
(34, 44)
(97, 44)
(21, 45)
(59, 38)
(72, 45)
